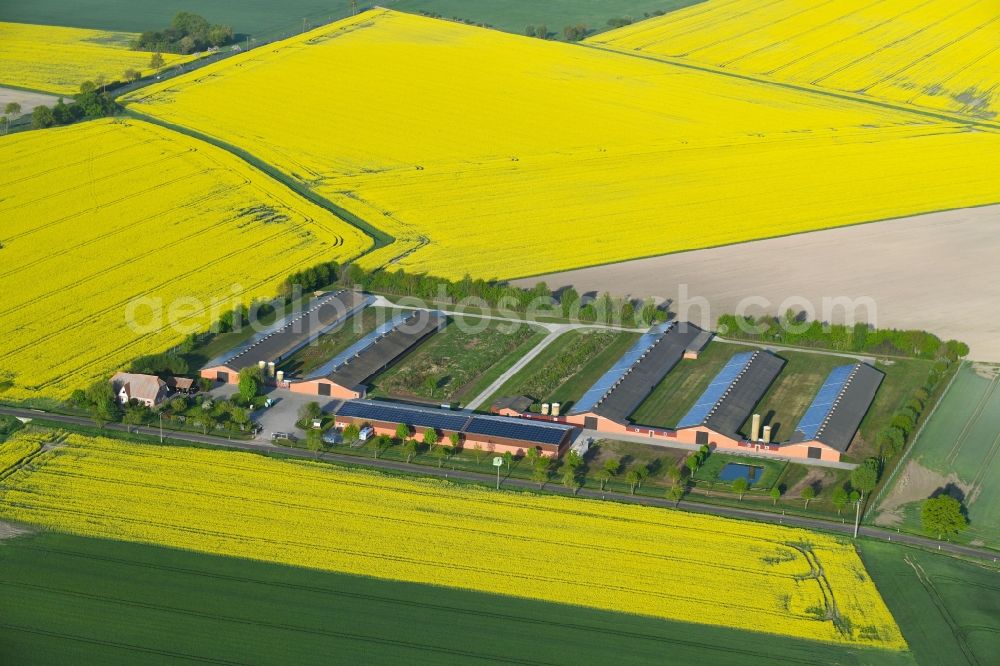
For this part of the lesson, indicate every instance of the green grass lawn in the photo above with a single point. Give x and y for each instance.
(77, 600)
(451, 365)
(268, 19)
(788, 398)
(902, 377)
(959, 445)
(948, 609)
(682, 386)
(328, 345)
(565, 369)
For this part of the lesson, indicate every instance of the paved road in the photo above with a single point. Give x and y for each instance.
(392, 465)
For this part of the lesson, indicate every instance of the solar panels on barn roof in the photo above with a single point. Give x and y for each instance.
(824, 401)
(839, 407)
(716, 389)
(610, 379)
(358, 347)
(531, 431)
(418, 417)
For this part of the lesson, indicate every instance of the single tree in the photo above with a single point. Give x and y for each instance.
(131, 75)
(410, 449)
(309, 412)
(402, 431)
(134, 415)
(542, 32)
(87, 87)
(604, 476)
(574, 460)
(740, 486)
(508, 458)
(4, 124)
(456, 441)
(775, 495)
(351, 434)
(865, 477)
(314, 440)
(12, 109)
(529, 31)
(540, 471)
(839, 499)
(693, 462)
(570, 479)
(531, 455)
(440, 452)
(251, 381)
(431, 438)
(611, 466)
(676, 492)
(100, 81)
(634, 478)
(477, 451)
(42, 117)
(942, 515)
(156, 61)
(379, 444)
(807, 494)
(675, 474)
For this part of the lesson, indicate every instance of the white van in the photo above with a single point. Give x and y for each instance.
(366, 433)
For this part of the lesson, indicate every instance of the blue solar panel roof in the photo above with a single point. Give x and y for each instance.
(822, 404)
(543, 433)
(412, 416)
(608, 380)
(358, 347)
(699, 412)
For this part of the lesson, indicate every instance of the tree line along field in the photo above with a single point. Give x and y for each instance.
(464, 537)
(173, 604)
(58, 60)
(103, 213)
(939, 55)
(955, 452)
(575, 185)
(265, 19)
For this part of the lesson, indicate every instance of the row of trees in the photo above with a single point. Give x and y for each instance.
(91, 102)
(892, 439)
(187, 33)
(792, 329)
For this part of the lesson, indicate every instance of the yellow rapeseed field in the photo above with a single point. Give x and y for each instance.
(57, 60)
(505, 156)
(97, 214)
(18, 448)
(642, 560)
(942, 55)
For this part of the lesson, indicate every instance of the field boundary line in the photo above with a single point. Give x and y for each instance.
(977, 413)
(925, 581)
(913, 443)
(379, 238)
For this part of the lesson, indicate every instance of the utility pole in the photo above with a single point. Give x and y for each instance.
(303, 24)
(354, 7)
(857, 516)
(161, 427)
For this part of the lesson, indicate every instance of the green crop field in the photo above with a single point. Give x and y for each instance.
(565, 369)
(948, 609)
(673, 396)
(68, 599)
(956, 449)
(266, 19)
(456, 363)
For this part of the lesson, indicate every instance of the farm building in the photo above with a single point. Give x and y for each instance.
(724, 405)
(344, 375)
(608, 403)
(828, 426)
(148, 390)
(493, 434)
(284, 338)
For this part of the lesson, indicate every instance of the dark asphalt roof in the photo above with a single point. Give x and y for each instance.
(458, 421)
(848, 409)
(390, 347)
(741, 395)
(294, 332)
(648, 371)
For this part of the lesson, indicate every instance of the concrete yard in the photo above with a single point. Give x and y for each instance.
(27, 100)
(937, 272)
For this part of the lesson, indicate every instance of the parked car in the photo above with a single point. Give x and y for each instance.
(268, 403)
(333, 437)
(366, 433)
(282, 436)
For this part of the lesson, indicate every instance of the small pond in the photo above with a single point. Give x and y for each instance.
(733, 471)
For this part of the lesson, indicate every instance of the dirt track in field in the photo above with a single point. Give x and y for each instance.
(939, 272)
